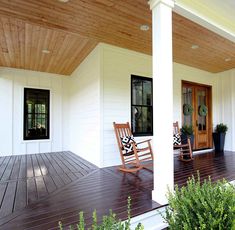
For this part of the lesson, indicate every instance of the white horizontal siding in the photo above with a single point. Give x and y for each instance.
(118, 65)
(226, 103)
(84, 109)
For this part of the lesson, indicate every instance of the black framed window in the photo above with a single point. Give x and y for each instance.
(36, 114)
(141, 106)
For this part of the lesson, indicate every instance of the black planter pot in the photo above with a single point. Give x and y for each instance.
(219, 139)
(184, 139)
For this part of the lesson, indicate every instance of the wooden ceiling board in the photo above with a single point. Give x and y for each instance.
(213, 49)
(22, 44)
(71, 30)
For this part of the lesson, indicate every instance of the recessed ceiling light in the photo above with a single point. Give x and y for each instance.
(144, 27)
(194, 47)
(227, 59)
(63, 1)
(45, 51)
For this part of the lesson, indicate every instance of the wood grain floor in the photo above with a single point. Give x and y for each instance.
(29, 178)
(29, 201)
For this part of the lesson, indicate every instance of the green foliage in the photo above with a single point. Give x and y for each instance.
(109, 222)
(187, 129)
(221, 128)
(200, 206)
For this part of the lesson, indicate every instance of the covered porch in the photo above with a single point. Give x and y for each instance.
(83, 55)
(38, 191)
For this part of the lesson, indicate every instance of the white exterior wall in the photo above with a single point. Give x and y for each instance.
(118, 65)
(226, 105)
(84, 109)
(12, 83)
(84, 105)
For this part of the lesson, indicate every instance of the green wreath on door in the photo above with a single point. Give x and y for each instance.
(187, 109)
(202, 110)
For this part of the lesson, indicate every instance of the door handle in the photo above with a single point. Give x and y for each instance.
(196, 123)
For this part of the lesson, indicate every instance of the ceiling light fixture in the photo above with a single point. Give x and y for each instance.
(64, 1)
(194, 47)
(45, 51)
(227, 59)
(144, 27)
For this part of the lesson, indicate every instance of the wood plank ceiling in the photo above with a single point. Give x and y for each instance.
(71, 30)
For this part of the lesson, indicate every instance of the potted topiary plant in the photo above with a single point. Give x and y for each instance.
(187, 132)
(219, 137)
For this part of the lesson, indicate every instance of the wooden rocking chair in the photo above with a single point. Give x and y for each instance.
(133, 157)
(184, 149)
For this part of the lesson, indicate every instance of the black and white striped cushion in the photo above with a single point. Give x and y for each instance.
(126, 141)
(176, 139)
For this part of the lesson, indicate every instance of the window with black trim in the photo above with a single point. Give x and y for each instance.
(36, 114)
(141, 106)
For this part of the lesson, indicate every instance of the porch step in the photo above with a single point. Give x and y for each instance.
(152, 220)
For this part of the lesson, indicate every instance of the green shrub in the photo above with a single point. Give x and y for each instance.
(202, 206)
(221, 128)
(109, 222)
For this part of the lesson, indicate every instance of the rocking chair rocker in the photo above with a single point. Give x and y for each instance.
(133, 157)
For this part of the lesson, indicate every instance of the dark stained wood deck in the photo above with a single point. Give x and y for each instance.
(85, 187)
(29, 178)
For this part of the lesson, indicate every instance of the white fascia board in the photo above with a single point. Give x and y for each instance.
(203, 20)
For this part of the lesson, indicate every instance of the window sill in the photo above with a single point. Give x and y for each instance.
(38, 140)
(143, 135)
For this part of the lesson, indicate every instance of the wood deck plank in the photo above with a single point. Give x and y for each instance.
(65, 190)
(4, 166)
(23, 168)
(16, 168)
(29, 166)
(7, 168)
(41, 187)
(36, 168)
(32, 194)
(1, 160)
(42, 165)
(3, 187)
(21, 195)
(50, 184)
(8, 201)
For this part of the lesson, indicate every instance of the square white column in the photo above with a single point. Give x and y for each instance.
(162, 98)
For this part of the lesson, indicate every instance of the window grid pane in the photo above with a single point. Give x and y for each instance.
(141, 106)
(36, 114)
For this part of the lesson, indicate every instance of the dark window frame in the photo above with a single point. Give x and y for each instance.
(133, 77)
(26, 113)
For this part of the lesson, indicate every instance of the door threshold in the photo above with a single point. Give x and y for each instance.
(200, 151)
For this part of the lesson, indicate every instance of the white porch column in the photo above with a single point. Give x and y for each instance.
(162, 97)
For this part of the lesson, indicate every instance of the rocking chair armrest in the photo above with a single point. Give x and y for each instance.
(141, 142)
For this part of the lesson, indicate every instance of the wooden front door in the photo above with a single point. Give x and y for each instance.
(199, 98)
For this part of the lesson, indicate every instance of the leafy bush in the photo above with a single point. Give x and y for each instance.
(221, 128)
(202, 206)
(187, 129)
(109, 222)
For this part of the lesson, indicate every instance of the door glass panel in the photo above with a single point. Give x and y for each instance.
(187, 99)
(201, 120)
